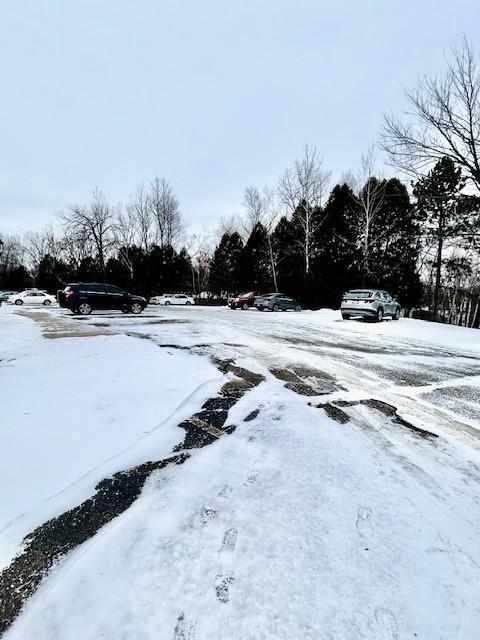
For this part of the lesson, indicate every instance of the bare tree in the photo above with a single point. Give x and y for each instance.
(301, 189)
(38, 244)
(164, 208)
(11, 254)
(444, 120)
(260, 209)
(229, 224)
(93, 223)
(199, 247)
(125, 234)
(370, 199)
(256, 206)
(140, 216)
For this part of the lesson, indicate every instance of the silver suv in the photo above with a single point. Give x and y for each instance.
(369, 303)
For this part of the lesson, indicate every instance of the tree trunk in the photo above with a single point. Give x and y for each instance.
(438, 269)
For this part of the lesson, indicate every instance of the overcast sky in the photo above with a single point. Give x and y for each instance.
(212, 95)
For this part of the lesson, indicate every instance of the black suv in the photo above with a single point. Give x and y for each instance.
(84, 297)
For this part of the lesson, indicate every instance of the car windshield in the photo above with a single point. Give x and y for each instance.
(358, 295)
(246, 295)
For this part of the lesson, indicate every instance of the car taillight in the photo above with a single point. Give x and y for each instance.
(69, 293)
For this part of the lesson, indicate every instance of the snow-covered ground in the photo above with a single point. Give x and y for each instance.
(300, 524)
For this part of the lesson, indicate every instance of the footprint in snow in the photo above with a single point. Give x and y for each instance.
(184, 629)
(387, 624)
(364, 521)
(252, 477)
(222, 585)
(207, 514)
(225, 491)
(229, 540)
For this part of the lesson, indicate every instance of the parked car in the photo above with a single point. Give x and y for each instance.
(31, 296)
(172, 298)
(84, 297)
(276, 302)
(4, 295)
(372, 304)
(243, 301)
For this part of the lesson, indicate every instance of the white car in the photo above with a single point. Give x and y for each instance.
(32, 297)
(370, 304)
(172, 298)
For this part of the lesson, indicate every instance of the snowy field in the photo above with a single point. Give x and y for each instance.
(338, 500)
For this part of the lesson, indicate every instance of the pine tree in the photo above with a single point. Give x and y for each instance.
(446, 213)
(395, 254)
(225, 267)
(337, 262)
(289, 260)
(255, 269)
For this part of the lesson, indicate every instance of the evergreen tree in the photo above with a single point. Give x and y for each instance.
(225, 276)
(336, 264)
(52, 273)
(289, 260)
(395, 253)
(446, 213)
(255, 268)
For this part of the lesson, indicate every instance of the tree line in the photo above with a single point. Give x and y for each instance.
(417, 238)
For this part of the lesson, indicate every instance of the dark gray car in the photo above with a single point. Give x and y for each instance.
(276, 302)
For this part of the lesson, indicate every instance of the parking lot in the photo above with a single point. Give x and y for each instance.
(317, 461)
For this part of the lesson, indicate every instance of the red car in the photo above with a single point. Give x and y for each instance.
(243, 301)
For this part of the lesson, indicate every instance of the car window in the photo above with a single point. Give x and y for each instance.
(359, 295)
(112, 289)
(96, 288)
(180, 296)
(32, 294)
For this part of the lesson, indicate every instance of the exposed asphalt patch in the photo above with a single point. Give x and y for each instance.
(335, 413)
(49, 542)
(389, 411)
(306, 381)
(54, 327)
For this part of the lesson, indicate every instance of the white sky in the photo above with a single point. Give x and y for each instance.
(213, 95)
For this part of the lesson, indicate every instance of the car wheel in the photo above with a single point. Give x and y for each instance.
(125, 309)
(84, 309)
(259, 308)
(379, 317)
(136, 308)
(396, 315)
(345, 316)
(188, 303)
(18, 302)
(46, 303)
(167, 303)
(75, 311)
(298, 308)
(244, 306)
(275, 307)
